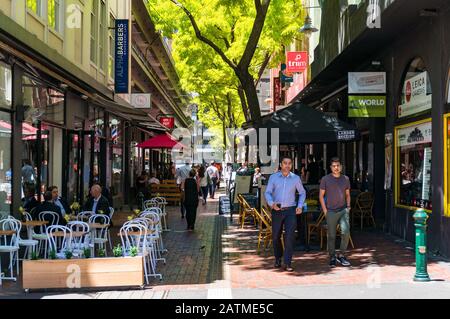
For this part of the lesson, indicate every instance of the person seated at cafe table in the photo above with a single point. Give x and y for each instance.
(59, 201)
(48, 206)
(30, 201)
(97, 202)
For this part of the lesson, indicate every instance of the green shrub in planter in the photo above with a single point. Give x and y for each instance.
(87, 253)
(34, 255)
(52, 254)
(118, 251)
(101, 252)
(133, 251)
(68, 254)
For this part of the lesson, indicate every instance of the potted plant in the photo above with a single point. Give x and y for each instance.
(118, 251)
(101, 252)
(87, 253)
(68, 254)
(134, 251)
(52, 254)
(34, 255)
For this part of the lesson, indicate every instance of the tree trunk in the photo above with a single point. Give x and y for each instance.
(249, 88)
(243, 99)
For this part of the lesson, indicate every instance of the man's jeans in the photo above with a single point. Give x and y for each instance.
(333, 218)
(212, 187)
(289, 220)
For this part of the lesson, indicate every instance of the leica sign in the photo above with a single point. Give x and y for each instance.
(297, 62)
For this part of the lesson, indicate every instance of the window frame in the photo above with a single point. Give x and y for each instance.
(397, 162)
(446, 162)
(94, 33)
(38, 11)
(58, 10)
(102, 27)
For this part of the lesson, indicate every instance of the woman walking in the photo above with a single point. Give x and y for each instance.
(189, 187)
(203, 182)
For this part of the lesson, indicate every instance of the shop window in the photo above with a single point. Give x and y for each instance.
(112, 23)
(413, 165)
(5, 164)
(115, 126)
(53, 12)
(35, 6)
(42, 102)
(447, 165)
(415, 97)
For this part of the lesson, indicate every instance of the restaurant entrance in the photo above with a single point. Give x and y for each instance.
(80, 159)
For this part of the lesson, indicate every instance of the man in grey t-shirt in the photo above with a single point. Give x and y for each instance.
(334, 198)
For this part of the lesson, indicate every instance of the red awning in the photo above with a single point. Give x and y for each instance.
(160, 141)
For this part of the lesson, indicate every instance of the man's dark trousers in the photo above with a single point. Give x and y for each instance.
(289, 220)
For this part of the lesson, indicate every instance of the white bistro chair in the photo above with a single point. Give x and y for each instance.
(10, 244)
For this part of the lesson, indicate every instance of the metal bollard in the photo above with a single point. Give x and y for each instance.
(420, 222)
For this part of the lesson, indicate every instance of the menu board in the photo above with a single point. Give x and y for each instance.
(242, 186)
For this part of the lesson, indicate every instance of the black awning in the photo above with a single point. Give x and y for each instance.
(300, 123)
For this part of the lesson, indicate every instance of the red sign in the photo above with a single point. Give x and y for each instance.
(297, 61)
(276, 94)
(408, 91)
(168, 122)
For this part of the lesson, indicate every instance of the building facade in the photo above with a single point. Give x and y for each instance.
(402, 157)
(60, 121)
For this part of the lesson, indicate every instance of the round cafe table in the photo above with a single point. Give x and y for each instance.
(30, 224)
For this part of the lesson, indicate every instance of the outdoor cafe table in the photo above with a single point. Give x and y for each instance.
(307, 211)
(97, 225)
(33, 223)
(74, 234)
(7, 232)
(137, 233)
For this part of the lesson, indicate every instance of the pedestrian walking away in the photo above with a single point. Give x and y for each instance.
(334, 198)
(181, 174)
(190, 190)
(280, 195)
(213, 173)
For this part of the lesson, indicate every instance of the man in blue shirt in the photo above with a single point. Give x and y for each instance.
(280, 196)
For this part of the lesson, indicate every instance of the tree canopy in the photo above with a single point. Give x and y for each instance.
(221, 48)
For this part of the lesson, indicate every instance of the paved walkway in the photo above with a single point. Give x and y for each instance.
(219, 261)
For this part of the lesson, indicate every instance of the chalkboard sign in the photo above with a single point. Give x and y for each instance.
(224, 205)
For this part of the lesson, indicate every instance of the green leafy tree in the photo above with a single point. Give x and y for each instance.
(230, 41)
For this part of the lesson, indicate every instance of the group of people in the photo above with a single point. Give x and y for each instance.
(195, 182)
(53, 202)
(334, 197)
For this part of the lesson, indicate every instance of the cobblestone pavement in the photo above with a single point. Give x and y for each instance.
(219, 261)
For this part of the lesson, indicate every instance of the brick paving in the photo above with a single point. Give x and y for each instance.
(219, 260)
(376, 256)
(193, 260)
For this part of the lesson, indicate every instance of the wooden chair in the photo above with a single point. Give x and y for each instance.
(363, 208)
(323, 234)
(315, 227)
(313, 194)
(245, 210)
(268, 216)
(264, 230)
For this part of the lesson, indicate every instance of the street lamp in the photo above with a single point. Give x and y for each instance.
(308, 28)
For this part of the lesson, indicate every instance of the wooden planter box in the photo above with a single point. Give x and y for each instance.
(83, 273)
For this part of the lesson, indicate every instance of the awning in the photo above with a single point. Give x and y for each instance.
(300, 124)
(161, 141)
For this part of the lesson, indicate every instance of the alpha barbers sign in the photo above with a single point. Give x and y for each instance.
(121, 63)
